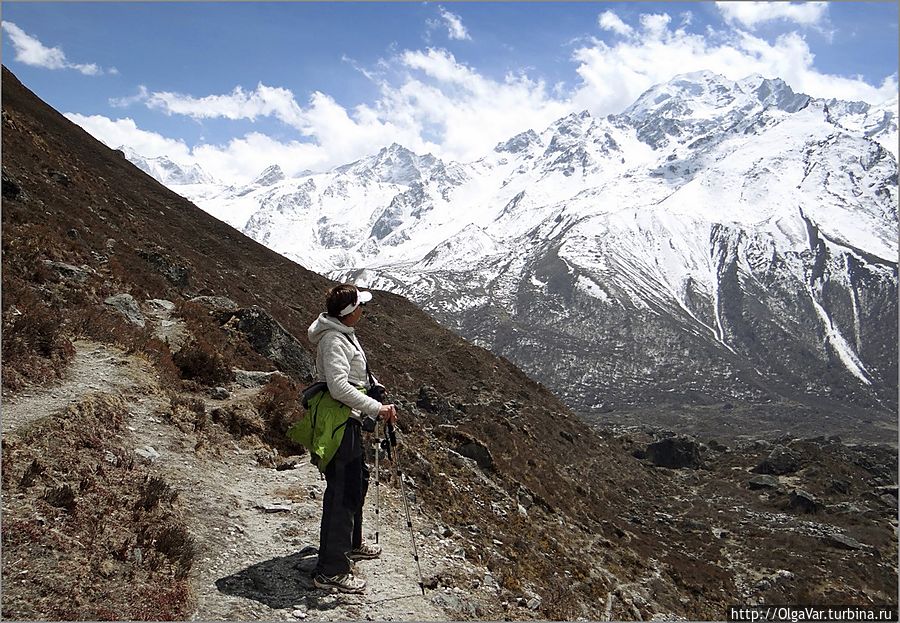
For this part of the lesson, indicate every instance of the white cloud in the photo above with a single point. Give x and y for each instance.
(119, 132)
(124, 102)
(438, 105)
(430, 102)
(243, 158)
(655, 25)
(30, 51)
(610, 21)
(265, 101)
(750, 14)
(465, 113)
(455, 28)
(614, 75)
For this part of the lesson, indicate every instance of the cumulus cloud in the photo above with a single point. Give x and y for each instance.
(610, 21)
(264, 101)
(429, 101)
(437, 105)
(455, 28)
(750, 14)
(119, 132)
(465, 112)
(30, 51)
(614, 74)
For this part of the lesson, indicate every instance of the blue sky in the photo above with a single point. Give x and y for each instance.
(238, 86)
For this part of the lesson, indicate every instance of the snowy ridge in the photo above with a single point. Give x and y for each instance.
(723, 215)
(167, 172)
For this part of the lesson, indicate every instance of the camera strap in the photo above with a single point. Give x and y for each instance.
(366, 359)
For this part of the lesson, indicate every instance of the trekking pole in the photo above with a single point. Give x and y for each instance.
(377, 483)
(412, 534)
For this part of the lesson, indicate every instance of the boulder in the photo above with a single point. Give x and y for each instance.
(458, 605)
(267, 337)
(781, 461)
(128, 307)
(148, 452)
(219, 303)
(161, 305)
(11, 188)
(428, 399)
(675, 452)
(459, 460)
(68, 271)
(840, 486)
(175, 273)
(59, 177)
(803, 501)
(843, 541)
(253, 378)
(478, 452)
(763, 481)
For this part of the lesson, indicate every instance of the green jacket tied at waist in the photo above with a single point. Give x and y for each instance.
(322, 428)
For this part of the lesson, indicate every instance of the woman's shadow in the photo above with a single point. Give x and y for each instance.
(279, 582)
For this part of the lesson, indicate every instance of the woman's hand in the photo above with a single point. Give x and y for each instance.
(388, 413)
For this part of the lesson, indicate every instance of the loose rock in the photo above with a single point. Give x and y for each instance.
(128, 307)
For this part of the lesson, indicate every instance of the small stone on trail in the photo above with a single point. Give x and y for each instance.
(275, 507)
(148, 452)
(299, 614)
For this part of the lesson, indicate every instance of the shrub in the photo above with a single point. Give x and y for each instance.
(34, 346)
(201, 362)
(278, 407)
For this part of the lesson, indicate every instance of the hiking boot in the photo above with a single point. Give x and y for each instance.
(364, 552)
(343, 582)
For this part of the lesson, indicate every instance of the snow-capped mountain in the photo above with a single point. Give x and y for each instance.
(715, 241)
(167, 172)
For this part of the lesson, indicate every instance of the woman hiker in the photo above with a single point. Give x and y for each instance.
(341, 363)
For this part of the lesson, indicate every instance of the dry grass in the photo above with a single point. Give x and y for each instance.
(200, 361)
(35, 347)
(88, 533)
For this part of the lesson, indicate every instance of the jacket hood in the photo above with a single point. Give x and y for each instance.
(323, 324)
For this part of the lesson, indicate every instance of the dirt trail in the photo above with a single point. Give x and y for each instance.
(248, 564)
(95, 368)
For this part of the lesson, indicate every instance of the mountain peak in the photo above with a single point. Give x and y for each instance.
(519, 142)
(165, 170)
(270, 175)
(393, 164)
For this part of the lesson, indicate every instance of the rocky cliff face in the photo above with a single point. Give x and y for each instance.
(717, 241)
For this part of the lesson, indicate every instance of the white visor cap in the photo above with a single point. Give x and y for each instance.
(362, 296)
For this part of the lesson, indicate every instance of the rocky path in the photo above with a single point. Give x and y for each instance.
(250, 523)
(96, 367)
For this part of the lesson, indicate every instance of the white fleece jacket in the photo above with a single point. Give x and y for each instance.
(341, 364)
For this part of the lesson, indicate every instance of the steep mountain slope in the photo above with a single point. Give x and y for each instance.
(717, 242)
(570, 523)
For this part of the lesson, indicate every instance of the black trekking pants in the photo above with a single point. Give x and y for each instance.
(347, 478)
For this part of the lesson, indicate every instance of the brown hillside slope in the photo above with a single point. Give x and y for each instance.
(603, 532)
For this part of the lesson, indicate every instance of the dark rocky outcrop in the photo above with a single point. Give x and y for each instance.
(675, 452)
(763, 482)
(781, 461)
(177, 274)
(803, 501)
(269, 338)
